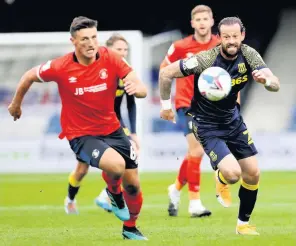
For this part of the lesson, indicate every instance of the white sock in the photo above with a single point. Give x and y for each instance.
(195, 202)
(69, 200)
(177, 192)
(239, 222)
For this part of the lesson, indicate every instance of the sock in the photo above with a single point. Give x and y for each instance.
(113, 185)
(221, 179)
(248, 196)
(193, 177)
(181, 179)
(73, 187)
(134, 204)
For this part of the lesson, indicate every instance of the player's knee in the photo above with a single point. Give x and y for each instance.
(232, 176)
(118, 169)
(252, 176)
(132, 189)
(196, 150)
(112, 163)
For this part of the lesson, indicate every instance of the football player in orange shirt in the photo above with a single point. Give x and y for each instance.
(189, 172)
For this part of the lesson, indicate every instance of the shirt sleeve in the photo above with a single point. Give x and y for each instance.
(253, 58)
(121, 65)
(47, 72)
(196, 64)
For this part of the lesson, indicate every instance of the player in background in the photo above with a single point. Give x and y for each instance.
(219, 125)
(119, 44)
(189, 173)
(87, 82)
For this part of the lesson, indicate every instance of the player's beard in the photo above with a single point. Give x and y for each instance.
(226, 53)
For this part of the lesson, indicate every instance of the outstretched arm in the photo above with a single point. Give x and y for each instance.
(134, 86)
(266, 77)
(166, 76)
(24, 85)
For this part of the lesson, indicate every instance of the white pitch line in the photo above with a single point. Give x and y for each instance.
(94, 207)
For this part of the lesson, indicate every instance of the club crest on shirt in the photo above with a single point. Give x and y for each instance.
(103, 73)
(242, 68)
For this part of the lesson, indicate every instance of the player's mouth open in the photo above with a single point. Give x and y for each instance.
(90, 51)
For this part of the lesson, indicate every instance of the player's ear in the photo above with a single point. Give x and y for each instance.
(192, 23)
(212, 22)
(72, 40)
(243, 36)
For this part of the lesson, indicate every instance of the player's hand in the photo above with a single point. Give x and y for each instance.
(168, 115)
(130, 87)
(15, 111)
(135, 139)
(259, 76)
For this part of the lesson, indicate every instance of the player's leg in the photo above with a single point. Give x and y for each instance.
(131, 184)
(97, 153)
(103, 200)
(134, 199)
(174, 190)
(243, 148)
(248, 194)
(75, 179)
(195, 154)
(218, 151)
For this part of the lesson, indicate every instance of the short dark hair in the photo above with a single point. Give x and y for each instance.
(114, 38)
(82, 22)
(231, 21)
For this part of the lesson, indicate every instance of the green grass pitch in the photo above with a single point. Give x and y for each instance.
(32, 213)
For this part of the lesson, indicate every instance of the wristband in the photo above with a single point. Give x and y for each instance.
(166, 104)
(267, 83)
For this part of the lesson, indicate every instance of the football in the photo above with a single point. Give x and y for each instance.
(214, 83)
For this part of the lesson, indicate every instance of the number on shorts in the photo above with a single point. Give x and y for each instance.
(250, 140)
(133, 154)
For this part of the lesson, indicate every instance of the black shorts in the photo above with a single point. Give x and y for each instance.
(89, 149)
(184, 120)
(219, 142)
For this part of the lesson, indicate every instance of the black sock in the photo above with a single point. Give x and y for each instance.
(247, 203)
(72, 191)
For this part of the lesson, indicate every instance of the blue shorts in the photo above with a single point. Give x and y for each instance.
(184, 120)
(222, 140)
(89, 149)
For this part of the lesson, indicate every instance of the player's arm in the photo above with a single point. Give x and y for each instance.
(238, 100)
(178, 69)
(132, 112)
(23, 86)
(117, 107)
(134, 86)
(267, 78)
(42, 73)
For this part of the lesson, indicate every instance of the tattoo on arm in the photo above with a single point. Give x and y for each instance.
(166, 76)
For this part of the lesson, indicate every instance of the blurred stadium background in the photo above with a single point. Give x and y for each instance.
(30, 145)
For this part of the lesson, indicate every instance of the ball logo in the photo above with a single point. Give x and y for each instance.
(95, 154)
(103, 73)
